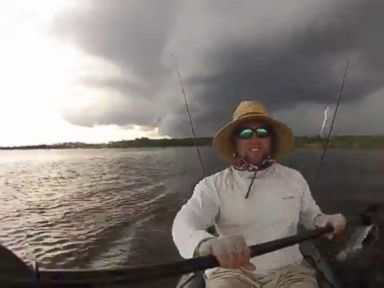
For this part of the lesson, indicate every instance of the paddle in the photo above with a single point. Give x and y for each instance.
(69, 277)
(85, 277)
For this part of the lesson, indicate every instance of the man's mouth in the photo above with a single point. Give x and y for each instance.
(254, 149)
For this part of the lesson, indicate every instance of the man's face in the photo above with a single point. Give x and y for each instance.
(254, 149)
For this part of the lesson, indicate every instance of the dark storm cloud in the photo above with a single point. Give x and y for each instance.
(120, 84)
(287, 54)
(310, 64)
(130, 34)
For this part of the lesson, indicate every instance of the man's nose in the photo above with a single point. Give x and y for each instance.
(254, 139)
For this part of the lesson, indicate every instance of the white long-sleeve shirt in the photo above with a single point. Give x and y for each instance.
(279, 200)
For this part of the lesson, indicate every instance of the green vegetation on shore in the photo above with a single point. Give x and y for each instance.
(137, 143)
(354, 142)
(351, 142)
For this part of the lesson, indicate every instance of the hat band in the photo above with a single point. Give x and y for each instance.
(250, 114)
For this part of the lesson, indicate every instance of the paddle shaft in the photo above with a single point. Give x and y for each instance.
(91, 277)
(130, 275)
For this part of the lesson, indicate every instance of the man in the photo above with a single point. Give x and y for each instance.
(254, 200)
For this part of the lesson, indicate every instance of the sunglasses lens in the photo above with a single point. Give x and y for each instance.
(262, 132)
(245, 133)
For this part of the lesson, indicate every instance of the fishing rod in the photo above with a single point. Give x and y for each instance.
(189, 115)
(322, 275)
(193, 134)
(333, 120)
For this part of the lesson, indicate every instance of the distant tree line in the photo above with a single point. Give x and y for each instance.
(354, 142)
(358, 142)
(146, 142)
(136, 143)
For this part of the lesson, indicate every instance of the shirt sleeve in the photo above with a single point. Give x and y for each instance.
(310, 213)
(190, 224)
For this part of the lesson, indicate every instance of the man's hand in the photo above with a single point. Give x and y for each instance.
(231, 251)
(338, 222)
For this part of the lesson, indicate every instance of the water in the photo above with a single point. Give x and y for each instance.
(106, 208)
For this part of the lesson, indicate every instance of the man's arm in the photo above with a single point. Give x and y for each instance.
(190, 224)
(310, 213)
(312, 217)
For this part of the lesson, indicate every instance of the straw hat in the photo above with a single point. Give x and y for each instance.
(253, 110)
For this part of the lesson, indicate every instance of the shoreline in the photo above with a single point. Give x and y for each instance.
(341, 142)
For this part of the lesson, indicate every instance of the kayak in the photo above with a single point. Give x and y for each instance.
(16, 273)
(24, 276)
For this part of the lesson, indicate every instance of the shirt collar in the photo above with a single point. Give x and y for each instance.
(249, 174)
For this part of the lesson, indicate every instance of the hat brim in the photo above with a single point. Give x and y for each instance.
(284, 138)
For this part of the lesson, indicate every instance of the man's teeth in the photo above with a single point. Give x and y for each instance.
(254, 149)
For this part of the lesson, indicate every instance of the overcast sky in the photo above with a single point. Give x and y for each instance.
(102, 70)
